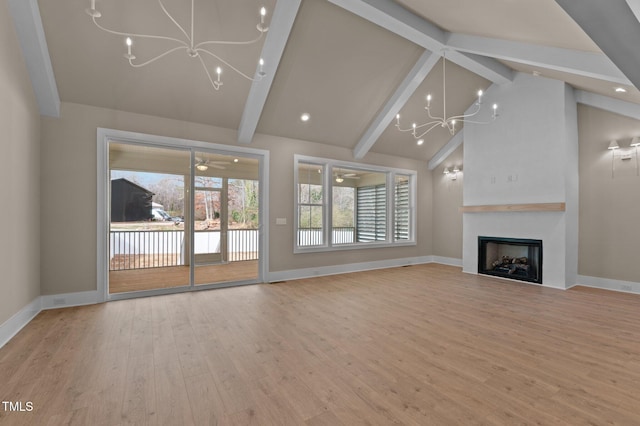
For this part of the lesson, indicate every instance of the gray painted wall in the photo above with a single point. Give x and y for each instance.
(19, 177)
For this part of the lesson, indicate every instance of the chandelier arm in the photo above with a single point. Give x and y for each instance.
(426, 131)
(430, 123)
(215, 84)
(226, 63)
(138, 35)
(464, 116)
(403, 130)
(156, 58)
(202, 43)
(441, 119)
(479, 122)
(166, 12)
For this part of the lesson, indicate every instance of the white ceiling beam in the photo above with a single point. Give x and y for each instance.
(28, 23)
(613, 26)
(393, 17)
(606, 103)
(634, 5)
(586, 64)
(483, 66)
(282, 20)
(402, 94)
(446, 150)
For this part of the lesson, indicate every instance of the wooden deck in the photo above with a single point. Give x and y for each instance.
(420, 345)
(177, 276)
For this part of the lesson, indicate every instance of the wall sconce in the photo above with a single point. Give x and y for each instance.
(626, 155)
(453, 174)
(635, 141)
(613, 145)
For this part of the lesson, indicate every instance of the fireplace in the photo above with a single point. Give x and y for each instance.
(514, 258)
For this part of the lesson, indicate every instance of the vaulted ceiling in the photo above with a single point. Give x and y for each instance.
(352, 65)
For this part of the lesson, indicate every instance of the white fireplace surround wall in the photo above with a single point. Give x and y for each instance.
(546, 226)
(529, 155)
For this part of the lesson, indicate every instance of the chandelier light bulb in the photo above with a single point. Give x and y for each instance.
(218, 71)
(128, 55)
(420, 141)
(261, 27)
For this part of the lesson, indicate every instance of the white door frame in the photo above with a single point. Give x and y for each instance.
(104, 136)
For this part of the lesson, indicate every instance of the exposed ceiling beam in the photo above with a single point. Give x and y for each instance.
(634, 5)
(606, 103)
(404, 91)
(28, 23)
(282, 20)
(393, 17)
(613, 26)
(446, 150)
(483, 66)
(587, 64)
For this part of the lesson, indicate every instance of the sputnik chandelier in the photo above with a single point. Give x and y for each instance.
(189, 45)
(419, 130)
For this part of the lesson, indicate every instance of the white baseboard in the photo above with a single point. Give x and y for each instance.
(13, 325)
(67, 300)
(451, 261)
(609, 284)
(296, 274)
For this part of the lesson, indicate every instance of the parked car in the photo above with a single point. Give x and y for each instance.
(160, 215)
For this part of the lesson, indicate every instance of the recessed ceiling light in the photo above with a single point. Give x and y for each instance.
(420, 141)
(621, 90)
(305, 117)
(235, 160)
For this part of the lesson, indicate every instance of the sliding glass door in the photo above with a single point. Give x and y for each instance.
(163, 237)
(226, 220)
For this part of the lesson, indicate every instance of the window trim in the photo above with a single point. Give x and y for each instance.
(327, 207)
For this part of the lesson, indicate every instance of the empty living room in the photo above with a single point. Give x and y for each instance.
(319, 212)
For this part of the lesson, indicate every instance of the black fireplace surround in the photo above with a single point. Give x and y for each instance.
(514, 258)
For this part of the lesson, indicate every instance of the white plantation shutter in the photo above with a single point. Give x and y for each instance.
(371, 215)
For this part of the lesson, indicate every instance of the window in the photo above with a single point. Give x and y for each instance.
(310, 213)
(343, 205)
(402, 209)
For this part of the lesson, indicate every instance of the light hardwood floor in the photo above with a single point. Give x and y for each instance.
(421, 345)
